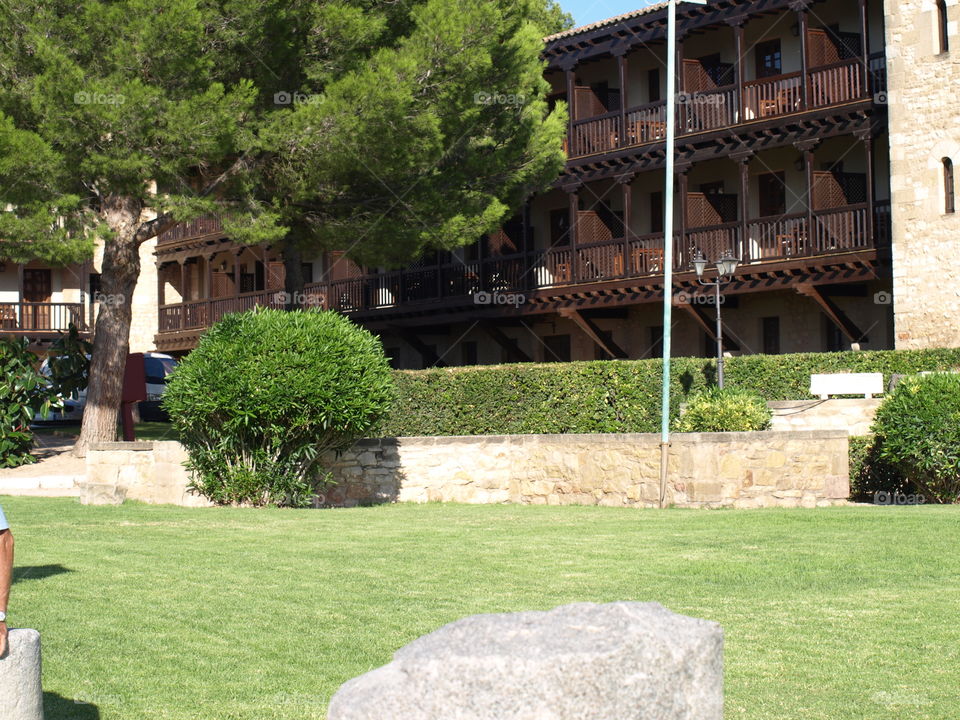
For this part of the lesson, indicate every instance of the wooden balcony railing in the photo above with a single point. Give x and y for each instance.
(27, 317)
(834, 84)
(204, 225)
(784, 237)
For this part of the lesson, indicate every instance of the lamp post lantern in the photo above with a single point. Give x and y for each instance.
(726, 267)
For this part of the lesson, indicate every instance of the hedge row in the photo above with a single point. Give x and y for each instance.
(605, 396)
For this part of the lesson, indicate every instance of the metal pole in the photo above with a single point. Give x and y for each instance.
(668, 245)
(719, 340)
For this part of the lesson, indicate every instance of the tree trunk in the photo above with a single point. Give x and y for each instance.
(293, 284)
(120, 271)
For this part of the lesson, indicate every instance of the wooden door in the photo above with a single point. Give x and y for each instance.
(37, 288)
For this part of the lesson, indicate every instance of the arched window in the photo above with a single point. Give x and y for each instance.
(942, 21)
(949, 186)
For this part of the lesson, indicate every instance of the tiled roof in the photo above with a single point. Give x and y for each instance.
(609, 21)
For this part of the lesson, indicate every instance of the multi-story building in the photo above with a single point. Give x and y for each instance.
(39, 301)
(784, 152)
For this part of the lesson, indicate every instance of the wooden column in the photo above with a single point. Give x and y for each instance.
(681, 258)
(528, 244)
(20, 281)
(573, 200)
(804, 22)
(806, 147)
(571, 109)
(865, 47)
(627, 195)
(622, 69)
(743, 161)
(236, 273)
(867, 138)
(683, 106)
(737, 24)
(161, 290)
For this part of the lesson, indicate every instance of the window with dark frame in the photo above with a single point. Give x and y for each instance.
(598, 352)
(468, 352)
(769, 59)
(835, 337)
(772, 194)
(771, 335)
(560, 226)
(949, 187)
(943, 23)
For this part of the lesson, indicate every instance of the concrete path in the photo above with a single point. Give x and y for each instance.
(56, 475)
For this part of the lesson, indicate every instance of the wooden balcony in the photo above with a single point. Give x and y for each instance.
(826, 86)
(47, 318)
(459, 285)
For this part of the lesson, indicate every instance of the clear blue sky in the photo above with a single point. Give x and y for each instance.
(590, 11)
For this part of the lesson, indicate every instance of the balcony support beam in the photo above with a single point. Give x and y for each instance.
(573, 203)
(613, 351)
(708, 325)
(865, 46)
(866, 136)
(837, 316)
(427, 354)
(806, 148)
(743, 162)
(512, 347)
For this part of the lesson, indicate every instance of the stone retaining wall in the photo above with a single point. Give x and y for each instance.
(855, 415)
(743, 470)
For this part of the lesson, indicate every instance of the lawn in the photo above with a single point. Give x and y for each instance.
(162, 612)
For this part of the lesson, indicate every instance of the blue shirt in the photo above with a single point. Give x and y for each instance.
(3, 521)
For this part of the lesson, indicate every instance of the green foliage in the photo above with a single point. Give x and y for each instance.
(871, 474)
(622, 396)
(23, 393)
(918, 432)
(266, 392)
(726, 410)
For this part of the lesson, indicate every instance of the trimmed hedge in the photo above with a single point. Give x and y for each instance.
(870, 474)
(612, 396)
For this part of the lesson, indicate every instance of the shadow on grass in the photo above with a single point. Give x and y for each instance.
(57, 707)
(37, 572)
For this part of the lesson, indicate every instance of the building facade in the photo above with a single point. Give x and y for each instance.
(792, 157)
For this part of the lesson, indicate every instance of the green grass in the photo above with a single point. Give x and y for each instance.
(161, 612)
(143, 431)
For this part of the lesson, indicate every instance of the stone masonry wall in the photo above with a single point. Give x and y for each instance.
(854, 415)
(741, 470)
(924, 109)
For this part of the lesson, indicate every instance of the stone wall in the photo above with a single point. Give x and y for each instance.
(742, 470)
(855, 415)
(924, 108)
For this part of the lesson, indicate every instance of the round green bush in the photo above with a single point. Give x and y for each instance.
(917, 431)
(266, 393)
(726, 410)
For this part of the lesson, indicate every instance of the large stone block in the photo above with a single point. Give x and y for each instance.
(576, 662)
(21, 695)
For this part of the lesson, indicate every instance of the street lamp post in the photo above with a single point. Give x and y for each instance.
(726, 267)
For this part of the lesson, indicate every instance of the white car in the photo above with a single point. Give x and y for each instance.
(157, 367)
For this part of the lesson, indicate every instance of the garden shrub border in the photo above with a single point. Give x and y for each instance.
(612, 396)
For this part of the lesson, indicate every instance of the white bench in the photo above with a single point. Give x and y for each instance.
(866, 384)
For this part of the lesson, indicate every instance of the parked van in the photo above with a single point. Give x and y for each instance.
(157, 367)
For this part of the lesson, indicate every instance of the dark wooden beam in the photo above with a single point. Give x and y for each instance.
(700, 317)
(427, 354)
(614, 351)
(511, 346)
(832, 310)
